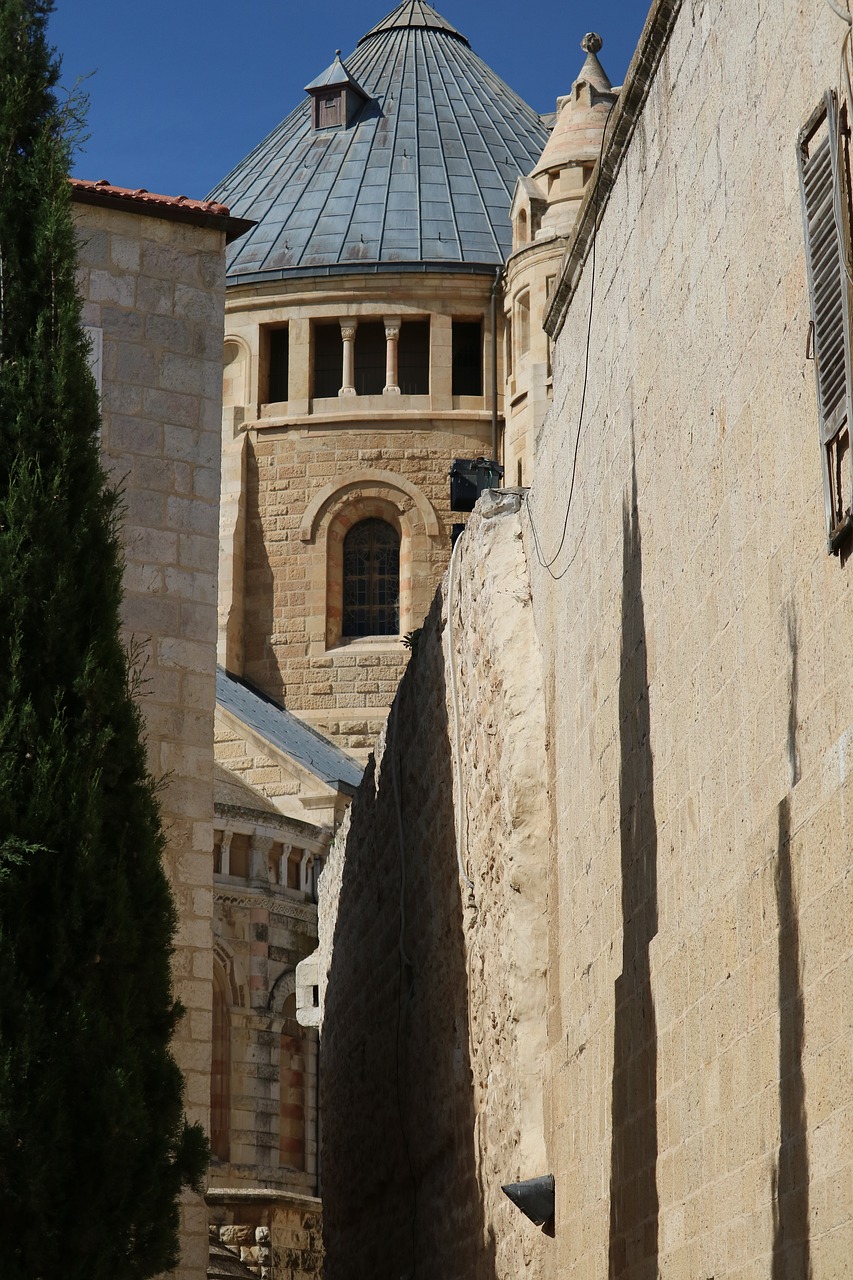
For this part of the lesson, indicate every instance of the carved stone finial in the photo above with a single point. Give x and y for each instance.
(337, 53)
(591, 42)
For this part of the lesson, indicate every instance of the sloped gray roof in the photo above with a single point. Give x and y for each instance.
(224, 1264)
(283, 730)
(413, 13)
(334, 76)
(424, 174)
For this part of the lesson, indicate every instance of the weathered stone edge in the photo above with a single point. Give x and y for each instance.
(224, 1195)
(620, 130)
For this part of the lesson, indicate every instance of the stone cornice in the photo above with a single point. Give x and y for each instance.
(225, 1195)
(618, 135)
(306, 912)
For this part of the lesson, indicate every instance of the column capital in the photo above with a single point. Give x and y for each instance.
(392, 338)
(348, 329)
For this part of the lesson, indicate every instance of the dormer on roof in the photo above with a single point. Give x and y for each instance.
(336, 96)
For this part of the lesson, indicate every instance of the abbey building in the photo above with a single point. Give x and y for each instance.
(383, 260)
(368, 346)
(583, 928)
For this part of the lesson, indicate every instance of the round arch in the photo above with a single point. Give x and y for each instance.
(364, 483)
(237, 362)
(283, 987)
(229, 966)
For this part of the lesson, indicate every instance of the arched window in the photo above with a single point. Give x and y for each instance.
(220, 1083)
(371, 580)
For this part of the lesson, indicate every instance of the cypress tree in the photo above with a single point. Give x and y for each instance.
(94, 1145)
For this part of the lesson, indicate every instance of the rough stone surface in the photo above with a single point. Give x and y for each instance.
(696, 650)
(433, 1037)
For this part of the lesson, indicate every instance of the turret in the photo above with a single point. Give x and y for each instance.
(544, 208)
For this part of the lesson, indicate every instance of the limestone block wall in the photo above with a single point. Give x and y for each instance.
(154, 299)
(263, 928)
(290, 787)
(277, 1236)
(311, 468)
(292, 568)
(433, 995)
(696, 645)
(530, 274)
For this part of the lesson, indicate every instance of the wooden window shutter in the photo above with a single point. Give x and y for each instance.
(824, 158)
(329, 110)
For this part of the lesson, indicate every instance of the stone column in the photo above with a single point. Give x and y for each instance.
(392, 339)
(348, 328)
(306, 868)
(226, 853)
(259, 851)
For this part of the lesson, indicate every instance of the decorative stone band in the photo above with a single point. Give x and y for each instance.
(278, 906)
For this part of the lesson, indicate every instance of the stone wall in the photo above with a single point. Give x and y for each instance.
(695, 636)
(154, 298)
(289, 786)
(300, 473)
(433, 995)
(276, 1236)
(343, 690)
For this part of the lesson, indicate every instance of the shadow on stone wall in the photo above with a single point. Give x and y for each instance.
(259, 602)
(400, 1186)
(791, 1244)
(634, 1208)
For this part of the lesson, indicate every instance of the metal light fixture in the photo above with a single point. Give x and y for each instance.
(536, 1198)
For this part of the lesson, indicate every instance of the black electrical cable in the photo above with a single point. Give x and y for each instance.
(547, 564)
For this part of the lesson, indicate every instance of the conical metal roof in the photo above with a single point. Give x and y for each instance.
(424, 174)
(413, 13)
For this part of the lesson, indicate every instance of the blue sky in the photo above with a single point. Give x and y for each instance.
(181, 90)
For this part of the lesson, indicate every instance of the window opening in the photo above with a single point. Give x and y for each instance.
(239, 860)
(291, 1090)
(413, 358)
(278, 356)
(328, 360)
(522, 324)
(329, 110)
(371, 580)
(294, 867)
(370, 350)
(467, 358)
(220, 1079)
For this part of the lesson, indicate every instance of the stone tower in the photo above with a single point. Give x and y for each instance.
(363, 354)
(544, 209)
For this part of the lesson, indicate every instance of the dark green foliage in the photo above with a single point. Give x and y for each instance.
(94, 1148)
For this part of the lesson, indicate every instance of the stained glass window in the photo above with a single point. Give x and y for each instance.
(371, 580)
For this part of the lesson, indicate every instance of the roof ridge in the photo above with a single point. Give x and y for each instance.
(414, 13)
